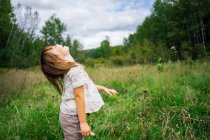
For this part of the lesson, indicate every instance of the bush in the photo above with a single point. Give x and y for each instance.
(90, 62)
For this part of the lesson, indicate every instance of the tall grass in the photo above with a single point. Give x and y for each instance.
(151, 104)
(12, 81)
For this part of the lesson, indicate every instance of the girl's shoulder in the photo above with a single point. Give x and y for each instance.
(74, 70)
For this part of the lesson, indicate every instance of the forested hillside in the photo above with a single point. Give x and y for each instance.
(20, 40)
(182, 26)
(175, 30)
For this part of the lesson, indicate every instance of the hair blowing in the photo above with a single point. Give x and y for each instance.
(54, 68)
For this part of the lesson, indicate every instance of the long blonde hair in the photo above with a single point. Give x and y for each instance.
(54, 68)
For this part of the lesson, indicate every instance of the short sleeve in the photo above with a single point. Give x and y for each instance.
(77, 77)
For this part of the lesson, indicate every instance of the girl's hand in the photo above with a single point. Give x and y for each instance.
(85, 129)
(111, 92)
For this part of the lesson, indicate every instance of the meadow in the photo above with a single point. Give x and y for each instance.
(168, 103)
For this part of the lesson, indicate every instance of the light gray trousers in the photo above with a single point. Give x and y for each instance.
(70, 126)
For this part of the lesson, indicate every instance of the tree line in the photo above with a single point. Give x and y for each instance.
(20, 44)
(175, 30)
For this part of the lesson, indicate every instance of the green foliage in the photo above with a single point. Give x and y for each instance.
(104, 51)
(117, 60)
(23, 47)
(175, 30)
(20, 46)
(90, 62)
(5, 21)
(75, 49)
(160, 65)
(52, 31)
(182, 24)
(105, 48)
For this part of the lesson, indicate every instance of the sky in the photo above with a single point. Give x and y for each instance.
(91, 21)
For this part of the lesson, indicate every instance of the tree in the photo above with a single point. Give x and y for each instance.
(27, 21)
(183, 24)
(5, 21)
(76, 52)
(105, 48)
(22, 37)
(21, 47)
(52, 31)
(68, 42)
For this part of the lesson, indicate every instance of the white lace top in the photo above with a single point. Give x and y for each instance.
(76, 77)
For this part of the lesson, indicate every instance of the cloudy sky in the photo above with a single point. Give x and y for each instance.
(90, 21)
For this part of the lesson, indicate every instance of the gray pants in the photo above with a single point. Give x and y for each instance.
(70, 126)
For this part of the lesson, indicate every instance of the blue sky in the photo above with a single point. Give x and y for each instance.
(90, 21)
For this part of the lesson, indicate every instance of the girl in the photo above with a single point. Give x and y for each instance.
(79, 94)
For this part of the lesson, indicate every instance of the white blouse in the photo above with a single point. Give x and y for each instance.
(77, 77)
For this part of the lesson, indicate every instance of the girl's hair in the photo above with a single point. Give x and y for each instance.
(54, 68)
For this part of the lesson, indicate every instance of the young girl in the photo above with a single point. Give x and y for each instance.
(79, 94)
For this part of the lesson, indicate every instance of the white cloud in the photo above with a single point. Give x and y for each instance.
(91, 20)
(115, 37)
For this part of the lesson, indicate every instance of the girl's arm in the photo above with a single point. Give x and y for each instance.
(106, 90)
(80, 104)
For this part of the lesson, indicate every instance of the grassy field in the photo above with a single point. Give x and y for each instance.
(173, 103)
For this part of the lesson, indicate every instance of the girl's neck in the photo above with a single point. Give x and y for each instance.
(69, 57)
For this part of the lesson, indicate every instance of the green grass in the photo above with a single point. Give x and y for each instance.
(170, 104)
